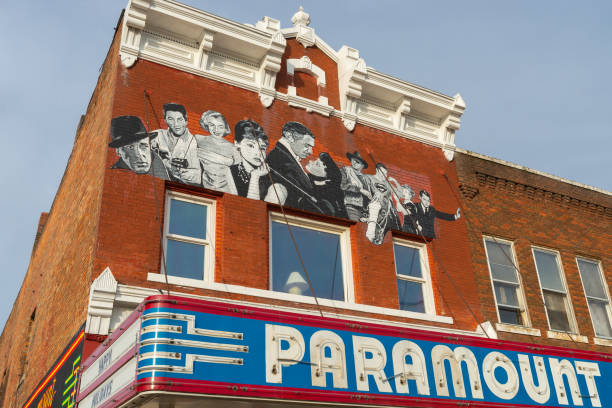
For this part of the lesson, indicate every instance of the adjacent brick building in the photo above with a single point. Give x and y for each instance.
(165, 194)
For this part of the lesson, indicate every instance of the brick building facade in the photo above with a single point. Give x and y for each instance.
(123, 228)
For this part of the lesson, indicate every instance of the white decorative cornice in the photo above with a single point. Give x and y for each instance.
(134, 22)
(351, 77)
(450, 125)
(268, 24)
(270, 66)
(321, 106)
(249, 57)
(101, 301)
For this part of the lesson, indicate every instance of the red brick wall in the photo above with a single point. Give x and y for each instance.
(529, 209)
(303, 82)
(129, 238)
(58, 278)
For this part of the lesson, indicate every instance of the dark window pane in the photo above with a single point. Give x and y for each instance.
(410, 296)
(506, 294)
(556, 308)
(510, 316)
(187, 219)
(322, 258)
(407, 261)
(591, 278)
(185, 259)
(601, 319)
(548, 270)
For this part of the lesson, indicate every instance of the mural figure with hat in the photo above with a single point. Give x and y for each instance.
(354, 185)
(132, 143)
(177, 146)
(215, 153)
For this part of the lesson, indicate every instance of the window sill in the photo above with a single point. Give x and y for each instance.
(242, 290)
(511, 328)
(551, 334)
(600, 341)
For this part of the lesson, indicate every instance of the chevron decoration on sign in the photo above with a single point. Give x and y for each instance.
(172, 342)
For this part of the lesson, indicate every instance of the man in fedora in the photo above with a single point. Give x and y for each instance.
(353, 184)
(132, 143)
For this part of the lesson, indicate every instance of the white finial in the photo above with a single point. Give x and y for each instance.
(301, 18)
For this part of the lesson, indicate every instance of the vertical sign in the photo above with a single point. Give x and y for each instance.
(59, 386)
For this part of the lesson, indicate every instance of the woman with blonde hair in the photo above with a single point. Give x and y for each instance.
(215, 153)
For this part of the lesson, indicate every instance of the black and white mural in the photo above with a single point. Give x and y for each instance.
(287, 173)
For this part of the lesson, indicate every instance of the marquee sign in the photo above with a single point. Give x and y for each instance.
(174, 344)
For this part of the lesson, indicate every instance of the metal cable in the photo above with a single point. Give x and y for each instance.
(273, 185)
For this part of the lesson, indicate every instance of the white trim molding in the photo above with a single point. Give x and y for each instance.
(512, 328)
(602, 342)
(269, 294)
(249, 56)
(559, 335)
(102, 294)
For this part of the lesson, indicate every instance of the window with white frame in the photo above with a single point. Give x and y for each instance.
(597, 296)
(188, 234)
(322, 250)
(414, 288)
(554, 291)
(507, 288)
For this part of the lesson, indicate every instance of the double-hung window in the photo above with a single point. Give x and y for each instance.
(554, 291)
(597, 296)
(321, 261)
(188, 236)
(506, 282)
(413, 279)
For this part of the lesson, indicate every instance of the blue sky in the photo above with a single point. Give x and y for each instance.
(536, 78)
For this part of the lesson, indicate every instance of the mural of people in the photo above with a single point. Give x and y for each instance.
(407, 210)
(177, 146)
(132, 144)
(353, 184)
(215, 153)
(326, 177)
(285, 165)
(242, 168)
(426, 215)
(249, 177)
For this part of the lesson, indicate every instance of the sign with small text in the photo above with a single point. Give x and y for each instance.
(59, 386)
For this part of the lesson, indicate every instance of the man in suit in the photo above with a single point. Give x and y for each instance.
(426, 215)
(132, 144)
(291, 182)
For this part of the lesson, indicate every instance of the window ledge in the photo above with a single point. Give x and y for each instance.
(196, 283)
(511, 328)
(566, 336)
(600, 341)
